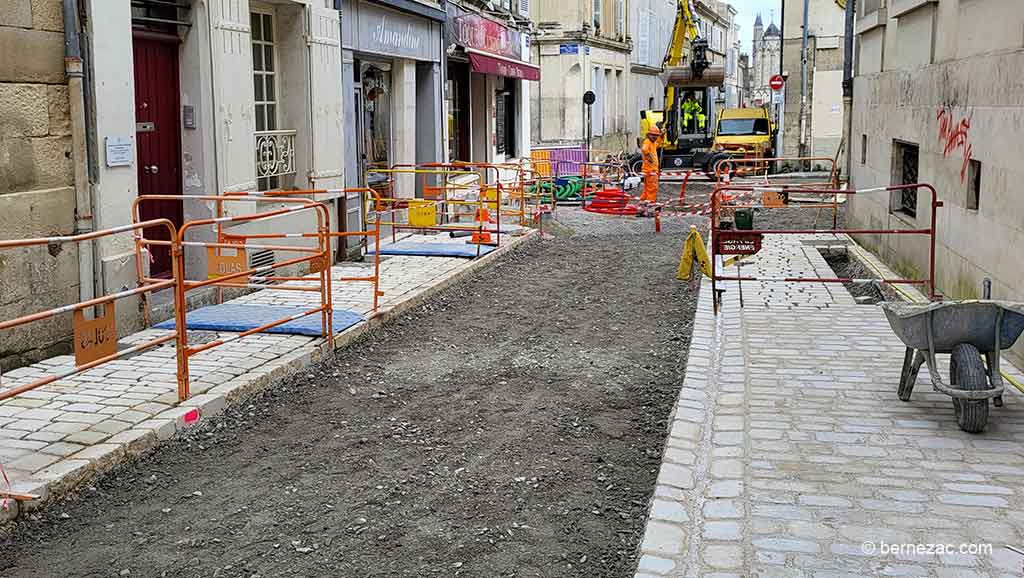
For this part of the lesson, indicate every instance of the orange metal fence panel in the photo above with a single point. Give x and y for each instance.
(731, 241)
(237, 273)
(367, 196)
(95, 340)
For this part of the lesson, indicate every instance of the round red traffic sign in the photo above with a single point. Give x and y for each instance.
(776, 82)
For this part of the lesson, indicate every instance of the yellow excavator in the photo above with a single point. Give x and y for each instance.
(687, 73)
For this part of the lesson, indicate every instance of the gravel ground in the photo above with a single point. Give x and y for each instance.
(511, 426)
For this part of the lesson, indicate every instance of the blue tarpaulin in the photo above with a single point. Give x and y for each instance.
(241, 317)
(418, 249)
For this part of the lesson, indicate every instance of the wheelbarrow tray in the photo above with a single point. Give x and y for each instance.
(955, 322)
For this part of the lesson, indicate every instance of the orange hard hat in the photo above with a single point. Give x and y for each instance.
(654, 130)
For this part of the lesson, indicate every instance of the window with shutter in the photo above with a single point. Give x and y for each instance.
(654, 52)
(643, 37)
(620, 17)
(597, 14)
(524, 8)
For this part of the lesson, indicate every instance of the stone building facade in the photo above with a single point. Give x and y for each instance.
(937, 99)
(813, 127)
(582, 46)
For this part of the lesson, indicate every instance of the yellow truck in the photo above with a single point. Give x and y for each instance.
(744, 133)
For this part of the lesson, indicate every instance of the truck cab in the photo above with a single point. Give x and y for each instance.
(744, 133)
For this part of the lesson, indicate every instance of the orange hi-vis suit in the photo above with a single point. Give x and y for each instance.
(650, 167)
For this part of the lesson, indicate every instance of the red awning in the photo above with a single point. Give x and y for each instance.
(494, 64)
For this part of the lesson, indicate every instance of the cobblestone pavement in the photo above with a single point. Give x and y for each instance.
(54, 436)
(790, 455)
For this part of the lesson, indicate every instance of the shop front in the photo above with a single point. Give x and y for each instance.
(487, 97)
(392, 74)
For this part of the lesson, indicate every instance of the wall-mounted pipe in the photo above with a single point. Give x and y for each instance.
(73, 71)
(804, 82)
(848, 85)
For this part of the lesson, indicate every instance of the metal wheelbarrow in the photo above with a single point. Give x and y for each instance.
(965, 330)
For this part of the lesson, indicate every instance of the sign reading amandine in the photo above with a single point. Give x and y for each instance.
(375, 29)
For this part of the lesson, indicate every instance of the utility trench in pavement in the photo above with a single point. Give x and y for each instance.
(511, 426)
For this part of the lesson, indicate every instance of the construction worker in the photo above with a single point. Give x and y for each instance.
(651, 165)
(691, 110)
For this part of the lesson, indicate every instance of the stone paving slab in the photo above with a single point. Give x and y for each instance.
(789, 454)
(54, 437)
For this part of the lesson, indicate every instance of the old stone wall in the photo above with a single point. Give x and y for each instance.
(36, 178)
(955, 112)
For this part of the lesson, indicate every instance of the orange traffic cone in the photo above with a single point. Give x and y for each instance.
(483, 215)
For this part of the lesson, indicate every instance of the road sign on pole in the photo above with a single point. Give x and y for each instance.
(776, 83)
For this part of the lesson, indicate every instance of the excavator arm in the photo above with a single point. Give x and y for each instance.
(686, 66)
(683, 33)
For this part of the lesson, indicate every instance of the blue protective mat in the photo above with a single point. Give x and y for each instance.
(241, 317)
(416, 249)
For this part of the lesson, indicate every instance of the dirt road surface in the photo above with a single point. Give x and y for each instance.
(512, 426)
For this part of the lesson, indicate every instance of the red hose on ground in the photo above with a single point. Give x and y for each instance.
(610, 202)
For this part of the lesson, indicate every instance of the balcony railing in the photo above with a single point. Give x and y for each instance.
(275, 153)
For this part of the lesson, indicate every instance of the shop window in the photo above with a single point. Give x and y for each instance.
(905, 159)
(505, 119)
(973, 184)
(458, 112)
(376, 84)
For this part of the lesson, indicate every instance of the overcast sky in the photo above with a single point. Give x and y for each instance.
(746, 12)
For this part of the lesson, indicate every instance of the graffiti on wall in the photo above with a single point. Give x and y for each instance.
(955, 135)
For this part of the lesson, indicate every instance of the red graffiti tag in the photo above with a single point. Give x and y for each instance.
(955, 135)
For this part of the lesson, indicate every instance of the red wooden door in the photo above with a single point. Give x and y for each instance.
(158, 136)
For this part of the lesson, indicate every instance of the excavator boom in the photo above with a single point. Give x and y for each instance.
(686, 63)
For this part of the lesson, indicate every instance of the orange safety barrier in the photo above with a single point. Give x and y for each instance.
(496, 191)
(510, 188)
(775, 193)
(367, 195)
(600, 176)
(95, 340)
(532, 203)
(758, 167)
(741, 242)
(230, 269)
(434, 214)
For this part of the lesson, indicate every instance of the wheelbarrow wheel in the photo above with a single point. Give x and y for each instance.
(967, 372)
